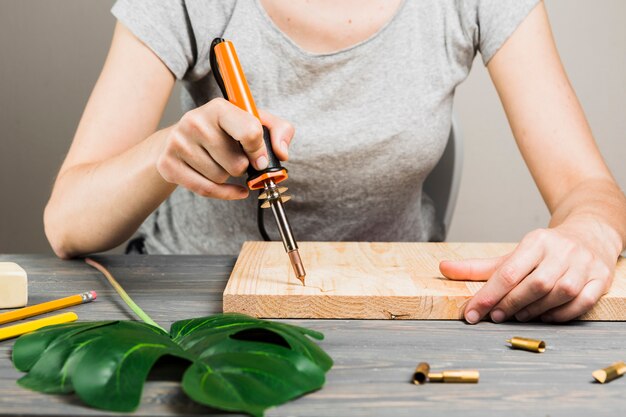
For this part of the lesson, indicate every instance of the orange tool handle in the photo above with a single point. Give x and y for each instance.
(235, 83)
(232, 81)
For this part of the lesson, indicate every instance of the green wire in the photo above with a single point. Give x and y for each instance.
(123, 294)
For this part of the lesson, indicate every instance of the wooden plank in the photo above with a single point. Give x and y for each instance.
(365, 280)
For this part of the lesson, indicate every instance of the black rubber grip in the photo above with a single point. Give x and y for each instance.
(273, 161)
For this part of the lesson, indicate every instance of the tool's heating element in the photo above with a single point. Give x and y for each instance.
(274, 198)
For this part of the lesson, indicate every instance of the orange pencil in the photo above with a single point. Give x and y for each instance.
(42, 308)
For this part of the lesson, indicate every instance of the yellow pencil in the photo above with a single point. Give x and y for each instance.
(46, 307)
(30, 326)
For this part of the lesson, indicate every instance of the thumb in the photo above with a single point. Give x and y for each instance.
(281, 133)
(471, 269)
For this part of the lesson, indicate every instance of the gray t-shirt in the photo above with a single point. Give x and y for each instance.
(371, 120)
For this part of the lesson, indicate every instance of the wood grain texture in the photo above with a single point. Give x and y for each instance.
(363, 280)
(374, 359)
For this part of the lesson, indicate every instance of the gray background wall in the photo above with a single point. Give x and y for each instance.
(51, 54)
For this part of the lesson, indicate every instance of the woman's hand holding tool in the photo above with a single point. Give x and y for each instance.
(216, 141)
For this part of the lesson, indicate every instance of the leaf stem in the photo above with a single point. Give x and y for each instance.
(123, 294)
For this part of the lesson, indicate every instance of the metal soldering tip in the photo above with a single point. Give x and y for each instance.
(296, 263)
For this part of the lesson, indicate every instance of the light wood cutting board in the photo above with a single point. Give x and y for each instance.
(364, 280)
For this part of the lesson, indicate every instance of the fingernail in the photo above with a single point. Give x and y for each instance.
(261, 163)
(284, 147)
(547, 318)
(522, 316)
(497, 316)
(472, 317)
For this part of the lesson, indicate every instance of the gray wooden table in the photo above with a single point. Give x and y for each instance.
(373, 359)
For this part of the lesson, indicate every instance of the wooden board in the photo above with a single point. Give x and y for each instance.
(364, 280)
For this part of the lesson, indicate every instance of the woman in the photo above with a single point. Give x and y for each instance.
(369, 85)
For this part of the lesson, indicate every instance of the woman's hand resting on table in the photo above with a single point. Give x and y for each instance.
(554, 274)
(216, 141)
(559, 273)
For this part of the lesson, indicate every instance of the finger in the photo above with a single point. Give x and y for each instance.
(565, 289)
(226, 152)
(281, 133)
(532, 288)
(470, 269)
(583, 302)
(243, 127)
(515, 268)
(189, 178)
(194, 155)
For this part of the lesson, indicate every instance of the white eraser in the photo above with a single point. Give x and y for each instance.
(13, 285)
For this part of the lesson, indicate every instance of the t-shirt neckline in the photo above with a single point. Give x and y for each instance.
(309, 54)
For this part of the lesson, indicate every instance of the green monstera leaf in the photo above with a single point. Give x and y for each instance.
(236, 362)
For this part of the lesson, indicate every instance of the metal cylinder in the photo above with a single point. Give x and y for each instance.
(456, 376)
(421, 373)
(531, 345)
(281, 217)
(610, 373)
(435, 377)
(274, 199)
(296, 263)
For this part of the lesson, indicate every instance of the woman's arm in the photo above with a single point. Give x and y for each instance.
(108, 184)
(560, 272)
(120, 168)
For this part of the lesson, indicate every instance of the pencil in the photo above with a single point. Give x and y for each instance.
(30, 326)
(46, 307)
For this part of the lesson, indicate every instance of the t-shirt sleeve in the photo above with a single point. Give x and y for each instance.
(163, 26)
(489, 23)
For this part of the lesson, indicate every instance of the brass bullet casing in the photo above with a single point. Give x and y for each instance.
(531, 345)
(610, 373)
(421, 373)
(461, 376)
(435, 377)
